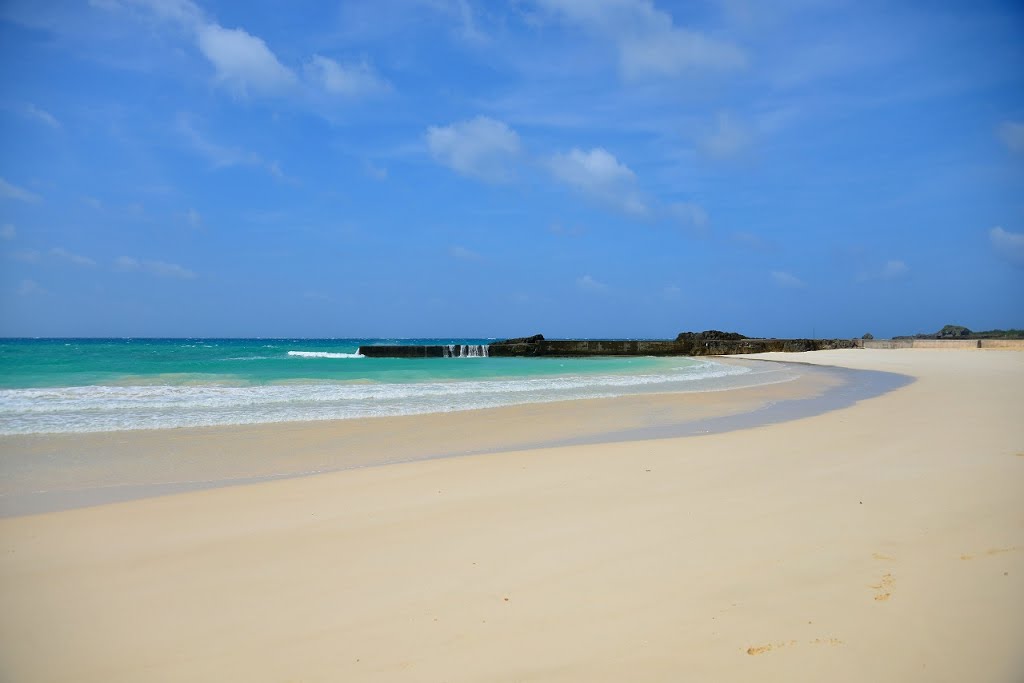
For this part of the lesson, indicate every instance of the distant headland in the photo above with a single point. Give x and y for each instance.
(961, 332)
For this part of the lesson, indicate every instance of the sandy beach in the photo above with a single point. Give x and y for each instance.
(883, 541)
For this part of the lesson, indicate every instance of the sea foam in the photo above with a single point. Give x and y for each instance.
(115, 408)
(324, 354)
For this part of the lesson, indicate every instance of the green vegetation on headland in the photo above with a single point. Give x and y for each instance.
(961, 332)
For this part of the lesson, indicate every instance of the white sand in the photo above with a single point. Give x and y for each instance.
(883, 542)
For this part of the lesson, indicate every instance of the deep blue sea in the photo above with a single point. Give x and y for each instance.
(89, 385)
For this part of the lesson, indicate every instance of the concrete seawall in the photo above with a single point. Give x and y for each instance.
(1005, 344)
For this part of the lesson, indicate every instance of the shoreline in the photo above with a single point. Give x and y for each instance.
(96, 468)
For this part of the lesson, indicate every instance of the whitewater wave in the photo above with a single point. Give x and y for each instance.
(324, 354)
(115, 408)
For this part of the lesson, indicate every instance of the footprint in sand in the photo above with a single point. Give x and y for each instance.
(883, 589)
(990, 552)
(762, 649)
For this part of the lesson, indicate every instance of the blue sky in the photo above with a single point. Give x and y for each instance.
(467, 168)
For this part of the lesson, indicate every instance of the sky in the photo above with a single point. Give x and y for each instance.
(577, 168)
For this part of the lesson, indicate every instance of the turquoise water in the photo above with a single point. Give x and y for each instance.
(83, 385)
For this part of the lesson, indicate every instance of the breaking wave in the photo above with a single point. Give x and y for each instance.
(157, 406)
(324, 354)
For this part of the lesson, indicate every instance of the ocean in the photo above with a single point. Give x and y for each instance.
(97, 385)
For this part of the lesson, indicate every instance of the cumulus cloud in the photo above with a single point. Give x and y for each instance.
(8, 232)
(245, 64)
(1009, 245)
(787, 280)
(648, 42)
(727, 139)
(243, 61)
(589, 284)
(482, 147)
(347, 80)
(71, 257)
(600, 175)
(9, 191)
(158, 268)
(1012, 135)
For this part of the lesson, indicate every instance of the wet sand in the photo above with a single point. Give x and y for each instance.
(43, 473)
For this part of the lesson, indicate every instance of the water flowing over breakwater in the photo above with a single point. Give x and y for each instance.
(88, 385)
(466, 351)
(425, 351)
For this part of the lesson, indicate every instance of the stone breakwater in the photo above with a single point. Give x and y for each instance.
(686, 344)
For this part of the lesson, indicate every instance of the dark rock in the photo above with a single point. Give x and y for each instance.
(709, 334)
(524, 340)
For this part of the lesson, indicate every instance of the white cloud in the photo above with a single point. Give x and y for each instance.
(691, 216)
(243, 61)
(348, 80)
(71, 257)
(648, 41)
(158, 268)
(41, 115)
(468, 29)
(1012, 135)
(8, 232)
(589, 284)
(194, 218)
(245, 64)
(600, 175)
(672, 293)
(1009, 245)
(787, 280)
(463, 254)
(184, 12)
(727, 139)
(480, 147)
(221, 156)
(9, 191)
